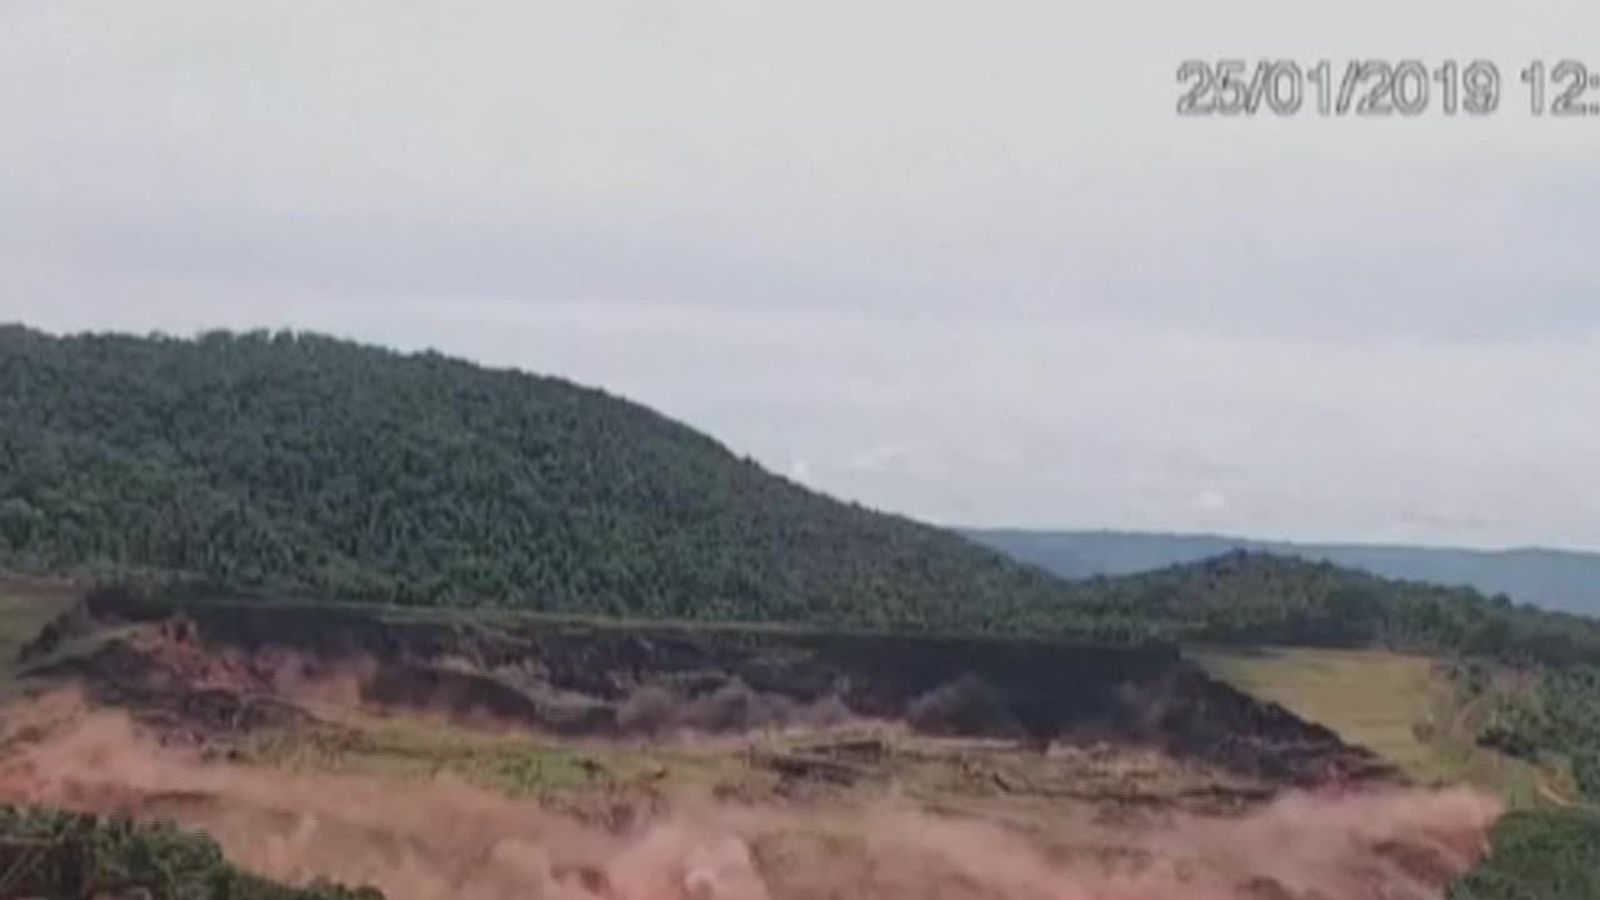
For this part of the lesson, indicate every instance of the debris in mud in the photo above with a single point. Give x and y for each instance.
(829, 765)
(177, 687)
(577, 681)
(809, 768)
(437, 838)
(867, 751)
(967, 705)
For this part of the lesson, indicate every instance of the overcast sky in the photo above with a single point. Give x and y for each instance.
(959, 260)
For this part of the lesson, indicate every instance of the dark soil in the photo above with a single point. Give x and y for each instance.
(213, 666)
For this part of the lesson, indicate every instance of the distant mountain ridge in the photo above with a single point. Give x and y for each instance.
(1564, 580)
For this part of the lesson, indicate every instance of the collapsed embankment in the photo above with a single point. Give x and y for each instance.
(230, 665)
(438, 838)
(1330, 823)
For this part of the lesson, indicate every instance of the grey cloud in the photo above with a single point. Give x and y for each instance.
(975, 235)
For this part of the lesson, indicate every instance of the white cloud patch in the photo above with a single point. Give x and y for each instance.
(800, 470)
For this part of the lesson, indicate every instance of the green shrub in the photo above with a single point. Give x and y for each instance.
(48, 853)
(1549, 855)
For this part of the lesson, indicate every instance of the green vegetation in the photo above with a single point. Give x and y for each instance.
(303, 464)
(44, 853)
(513, 764)
(1408, 709)
(1536, 672)
(1255, 599)
(1522, 733)
(1566, 580)
(292, 462)
(1543, 713)
(1546, 855)
(1379, 700)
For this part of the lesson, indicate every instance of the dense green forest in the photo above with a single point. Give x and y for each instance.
(1551, 855)
(1540, 711)
(1258, 598)
(45, 853)
(304, 464)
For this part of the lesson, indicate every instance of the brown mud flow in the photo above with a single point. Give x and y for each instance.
(846, 767)
(441, 838)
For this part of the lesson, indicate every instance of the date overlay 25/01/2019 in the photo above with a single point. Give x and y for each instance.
(1567, 88)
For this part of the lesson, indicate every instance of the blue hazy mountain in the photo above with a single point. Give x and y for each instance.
(1554, 579)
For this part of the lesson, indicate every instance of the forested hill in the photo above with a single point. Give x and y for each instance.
(1259, 598)
(1555, 579)
(302, 463)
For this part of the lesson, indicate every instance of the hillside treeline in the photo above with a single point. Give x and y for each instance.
(1257, 598)
(1545, 714)
(302, 464)
(1567, 580)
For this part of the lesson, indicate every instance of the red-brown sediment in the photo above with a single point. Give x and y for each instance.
(438, 838)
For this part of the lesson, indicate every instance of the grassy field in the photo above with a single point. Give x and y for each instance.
(516, 764)
(1400, 706)
(1380, 700)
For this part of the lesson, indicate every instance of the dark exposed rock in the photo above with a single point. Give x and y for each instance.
(604, 680)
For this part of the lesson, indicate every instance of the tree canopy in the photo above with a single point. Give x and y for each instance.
(298, 463)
